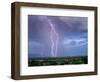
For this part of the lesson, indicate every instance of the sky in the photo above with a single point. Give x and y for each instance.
(57, 36)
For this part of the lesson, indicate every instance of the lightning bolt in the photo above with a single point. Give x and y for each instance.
(54, 40)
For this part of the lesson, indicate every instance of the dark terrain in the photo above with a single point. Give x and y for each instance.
(57, 61)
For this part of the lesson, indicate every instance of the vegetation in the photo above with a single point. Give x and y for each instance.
(57, 61)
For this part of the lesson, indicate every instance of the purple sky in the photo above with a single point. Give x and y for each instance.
(69, 33)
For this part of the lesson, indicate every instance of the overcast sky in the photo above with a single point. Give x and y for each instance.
(72, 39)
